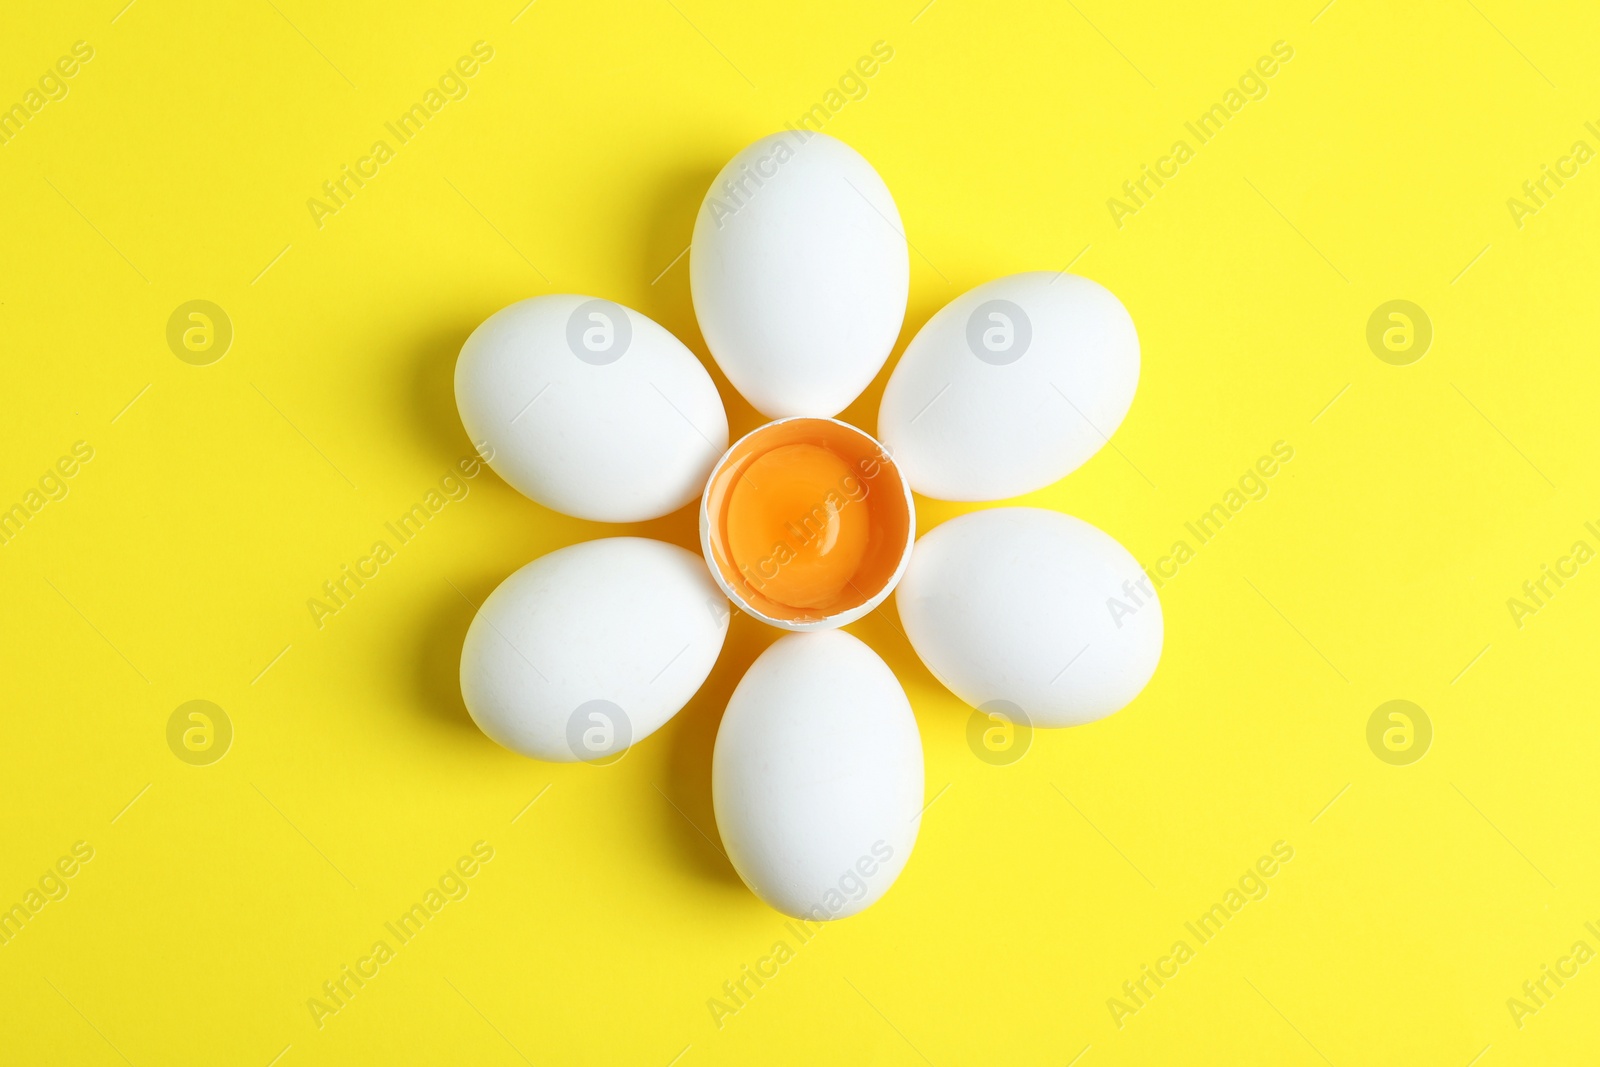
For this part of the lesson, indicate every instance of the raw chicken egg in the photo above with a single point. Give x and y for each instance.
(1010, 387)
(1035, 608)
(591, 648)
(817, 776)
(590, 408)
(799, 271)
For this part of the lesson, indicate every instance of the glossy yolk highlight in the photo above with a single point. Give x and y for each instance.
(798, 525)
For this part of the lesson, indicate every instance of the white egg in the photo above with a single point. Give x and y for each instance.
(817, 776)
(591, 648)
(589, 408)
(799, 273)
(1034, 608)
(1010, 387)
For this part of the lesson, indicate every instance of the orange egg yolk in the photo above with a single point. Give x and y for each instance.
(798, 525)
(806, 519)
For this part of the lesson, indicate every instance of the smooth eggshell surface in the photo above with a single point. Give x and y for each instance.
(591, 648)
(1035, 608)
(799, 272)
(817, 776)
(1010, 387)
(589, 408)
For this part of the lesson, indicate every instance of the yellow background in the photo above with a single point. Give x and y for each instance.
(1378, 567)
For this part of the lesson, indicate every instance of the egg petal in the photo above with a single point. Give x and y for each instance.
(590, 408)
(1010, 387)
(592, 648)
(817, 776)
(1035, 608)
(799, 271)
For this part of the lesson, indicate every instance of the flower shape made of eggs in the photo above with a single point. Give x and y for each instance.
(799, 272)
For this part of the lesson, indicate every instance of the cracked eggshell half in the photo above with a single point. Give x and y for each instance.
(855, 495)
